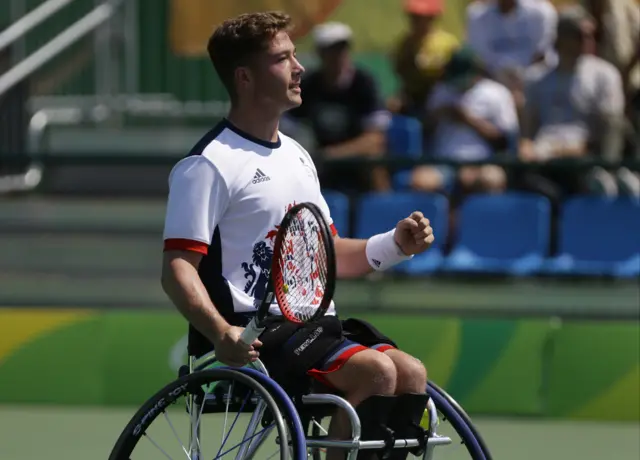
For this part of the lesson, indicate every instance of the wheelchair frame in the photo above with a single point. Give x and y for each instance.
(353, 445)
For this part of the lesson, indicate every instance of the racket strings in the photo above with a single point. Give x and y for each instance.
(304, 266)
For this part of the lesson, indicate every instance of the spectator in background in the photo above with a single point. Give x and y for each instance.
(617, 40)
(470, 118)
(342, 105)
(574, 109)
(617, 36)
(513, 38)
(511, 35)
(420, 55)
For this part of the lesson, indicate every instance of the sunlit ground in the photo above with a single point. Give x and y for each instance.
(32, 432)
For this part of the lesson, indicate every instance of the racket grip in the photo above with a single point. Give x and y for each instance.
(251, 332)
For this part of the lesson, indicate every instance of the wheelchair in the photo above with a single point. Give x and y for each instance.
(278, 425)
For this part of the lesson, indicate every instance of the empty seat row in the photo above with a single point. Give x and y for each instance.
(506, 234)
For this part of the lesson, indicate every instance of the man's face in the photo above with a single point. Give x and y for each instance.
(506, 5)
(576, 42)
(273, 77)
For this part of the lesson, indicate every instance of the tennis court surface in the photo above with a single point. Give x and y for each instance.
(64, 433)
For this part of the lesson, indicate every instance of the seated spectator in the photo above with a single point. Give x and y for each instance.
(470, 118)
(420, 56)
(617, 40)
(341, 104)
(575, 109)
(510, 36)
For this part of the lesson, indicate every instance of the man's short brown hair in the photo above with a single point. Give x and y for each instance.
(237, 39)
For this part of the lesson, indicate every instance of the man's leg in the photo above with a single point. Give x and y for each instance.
(364, 374)
(411, 373)
(407, 414)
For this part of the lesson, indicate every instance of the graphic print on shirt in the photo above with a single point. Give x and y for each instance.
(261, 261)
(258, 270)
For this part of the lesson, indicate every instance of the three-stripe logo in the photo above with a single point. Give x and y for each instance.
(259, 176)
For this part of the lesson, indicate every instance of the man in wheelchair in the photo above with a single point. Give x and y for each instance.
(226, 199)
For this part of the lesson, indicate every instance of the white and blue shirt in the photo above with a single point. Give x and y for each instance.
(226, 199)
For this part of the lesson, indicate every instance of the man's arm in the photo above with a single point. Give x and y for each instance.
(182, 284)
(529, 126)
(357, 257)
(369, 144)
(484, 128)
(608, 139)
(351, 257)
(198, 197)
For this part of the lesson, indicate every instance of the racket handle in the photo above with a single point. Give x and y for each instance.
(251, 332)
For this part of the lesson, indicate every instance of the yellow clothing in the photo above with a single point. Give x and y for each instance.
(419, 65)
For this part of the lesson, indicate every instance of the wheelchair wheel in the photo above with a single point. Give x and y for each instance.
(455, 423)
(224, 414)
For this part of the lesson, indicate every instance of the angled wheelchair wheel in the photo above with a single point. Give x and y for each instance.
(211, 414)
(454, 423)
(258, 372)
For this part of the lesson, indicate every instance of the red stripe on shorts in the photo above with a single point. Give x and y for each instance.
(335, 365)
(384, 347)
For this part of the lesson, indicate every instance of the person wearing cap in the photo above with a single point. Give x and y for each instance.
(575, 110)
(470, 118)
(342, 105)
(420, 55)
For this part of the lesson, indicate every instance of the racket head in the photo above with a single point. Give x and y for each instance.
(304, 264)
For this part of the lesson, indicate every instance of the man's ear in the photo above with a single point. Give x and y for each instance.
(242, 76)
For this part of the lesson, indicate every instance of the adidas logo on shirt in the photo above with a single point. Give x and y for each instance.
(376, 262)
(260, 177)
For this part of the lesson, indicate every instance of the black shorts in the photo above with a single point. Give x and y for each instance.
(295, 354)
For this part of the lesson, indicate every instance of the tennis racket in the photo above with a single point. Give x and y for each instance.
(303, 270)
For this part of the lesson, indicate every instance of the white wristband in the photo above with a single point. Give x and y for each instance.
(383, 252)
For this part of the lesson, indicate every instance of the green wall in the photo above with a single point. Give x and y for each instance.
(524, 367)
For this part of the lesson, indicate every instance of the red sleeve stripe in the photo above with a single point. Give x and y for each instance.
(180, 244)
(334, 230)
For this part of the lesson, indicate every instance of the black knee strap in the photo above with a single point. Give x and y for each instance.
(374, 414)
(405, 422)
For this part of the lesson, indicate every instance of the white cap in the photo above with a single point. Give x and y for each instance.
(330, 33)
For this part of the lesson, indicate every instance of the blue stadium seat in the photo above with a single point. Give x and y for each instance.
(501, 234)
(598, 236)
(404, 139)
(379, 213)
(339, 208)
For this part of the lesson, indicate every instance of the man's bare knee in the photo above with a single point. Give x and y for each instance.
(426, 179)
(493, 179)
(365, 374)
(411, 373)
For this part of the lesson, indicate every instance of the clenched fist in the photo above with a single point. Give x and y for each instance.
(414, 234)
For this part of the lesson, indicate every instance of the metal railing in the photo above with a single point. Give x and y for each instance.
(24, 25)
(89, 23)
(99, 21)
